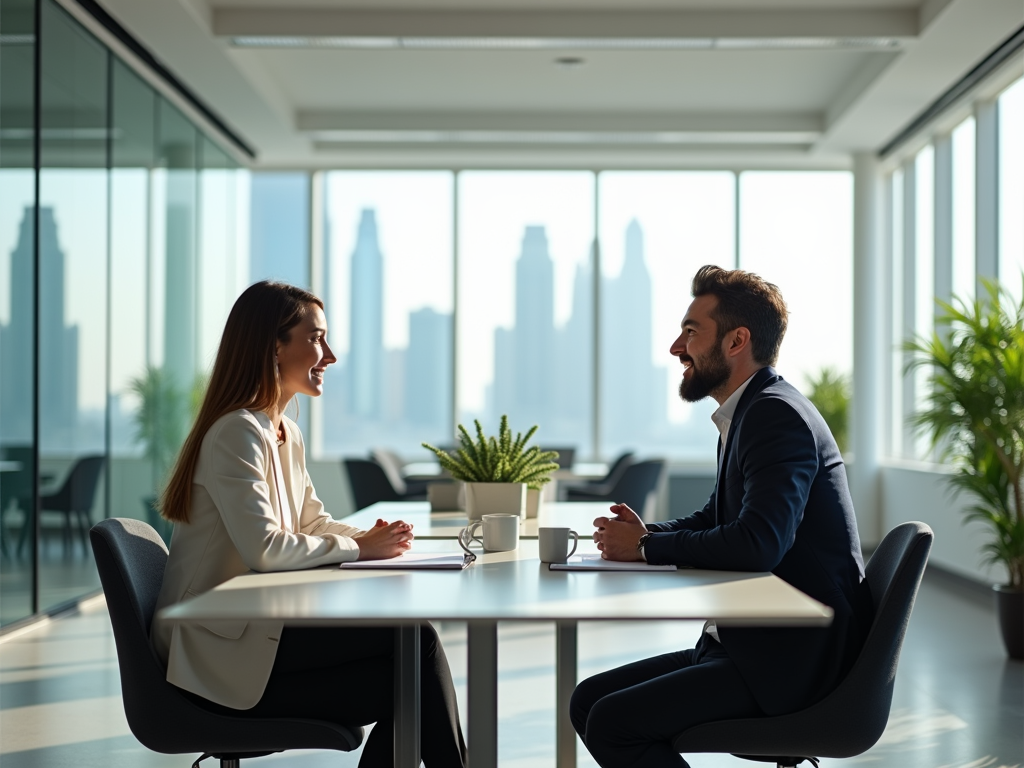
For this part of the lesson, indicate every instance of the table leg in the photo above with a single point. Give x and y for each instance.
(482, 673)
(407, 696)
(565, 684)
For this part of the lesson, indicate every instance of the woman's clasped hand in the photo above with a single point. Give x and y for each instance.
(385, 540)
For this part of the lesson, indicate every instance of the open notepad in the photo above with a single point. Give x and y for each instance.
(415, 561)
(594, 562)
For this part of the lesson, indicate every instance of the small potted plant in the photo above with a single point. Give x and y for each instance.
(497, 471)
(974, 414)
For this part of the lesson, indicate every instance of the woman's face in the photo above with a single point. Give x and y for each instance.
(302, 361)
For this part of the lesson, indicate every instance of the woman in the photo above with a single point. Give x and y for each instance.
(241, 500)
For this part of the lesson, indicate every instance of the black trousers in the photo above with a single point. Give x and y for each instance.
(628, 716)
(345, 675)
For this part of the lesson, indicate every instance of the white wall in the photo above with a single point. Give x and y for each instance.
(915, 491)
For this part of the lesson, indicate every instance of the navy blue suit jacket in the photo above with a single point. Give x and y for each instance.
(781, 504)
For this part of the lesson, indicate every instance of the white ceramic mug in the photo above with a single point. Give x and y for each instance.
(554, 542)
(500, 533)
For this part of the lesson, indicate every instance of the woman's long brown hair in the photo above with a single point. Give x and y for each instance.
(244, 375)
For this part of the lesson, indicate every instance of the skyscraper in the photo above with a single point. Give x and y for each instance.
(428, 366)
(58, 386)
(633, 388)
(364, 365)
(525, 360)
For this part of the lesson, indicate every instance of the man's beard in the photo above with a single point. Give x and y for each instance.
(713, 372)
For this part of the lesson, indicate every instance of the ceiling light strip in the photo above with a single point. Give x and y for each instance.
(577, 43)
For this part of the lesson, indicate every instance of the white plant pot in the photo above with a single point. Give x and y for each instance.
(533, 502)
(495, 499)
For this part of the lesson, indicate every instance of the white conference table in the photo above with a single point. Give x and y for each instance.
(499, 587)
(578, 515)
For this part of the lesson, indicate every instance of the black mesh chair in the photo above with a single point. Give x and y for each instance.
(131, 557)
(851, 719)
(638, 481)
(369, 483)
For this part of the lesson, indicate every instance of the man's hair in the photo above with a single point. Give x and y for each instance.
(745, 300)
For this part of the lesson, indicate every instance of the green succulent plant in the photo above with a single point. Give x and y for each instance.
(974, 413)
(497, 460)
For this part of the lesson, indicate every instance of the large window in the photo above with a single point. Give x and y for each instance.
(388, 290)
(927, 208)
(796, 230)
(525, 322)
(1011, 188)
(17, 309)
(130, 193)
(657, 230)
(509, 266)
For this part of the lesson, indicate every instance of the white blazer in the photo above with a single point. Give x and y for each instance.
(236, 525)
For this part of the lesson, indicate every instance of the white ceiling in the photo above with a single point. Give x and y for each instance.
(509, 103)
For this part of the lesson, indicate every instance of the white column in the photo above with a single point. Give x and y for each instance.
(907, 323)
(986, 195)
(943, 218)
(318, 285)
(869, 347)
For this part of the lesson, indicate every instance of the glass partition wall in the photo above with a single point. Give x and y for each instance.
(109, 194)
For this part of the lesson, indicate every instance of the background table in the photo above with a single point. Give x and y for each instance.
(505, 586)
(578, 515)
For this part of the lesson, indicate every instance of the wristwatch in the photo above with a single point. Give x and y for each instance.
(640, 545)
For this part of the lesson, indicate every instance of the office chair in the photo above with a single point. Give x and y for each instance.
(637, 482)
(369, 483)
(407, 488)
(131, 558)
(602, 486)
(851, 719)
(74, 500)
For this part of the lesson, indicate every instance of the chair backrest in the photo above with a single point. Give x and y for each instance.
(638, 481)
(79, 489)
(369, 483)
(851, 719)
(392, 466)
(131, 557)
(618, 469)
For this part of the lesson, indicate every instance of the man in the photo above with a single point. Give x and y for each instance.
(780, 504)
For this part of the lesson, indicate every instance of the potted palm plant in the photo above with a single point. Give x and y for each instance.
(161, 421)
(974, 415)
(830, 394)
(497, 471)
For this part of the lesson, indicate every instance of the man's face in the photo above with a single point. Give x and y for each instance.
(699, 349)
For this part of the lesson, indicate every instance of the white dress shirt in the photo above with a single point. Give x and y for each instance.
(723, 420)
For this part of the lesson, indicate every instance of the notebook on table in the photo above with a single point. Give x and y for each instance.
(592, 561)
(415, 561)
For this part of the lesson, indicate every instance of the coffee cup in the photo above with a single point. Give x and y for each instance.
(498, 533)
(554, 542)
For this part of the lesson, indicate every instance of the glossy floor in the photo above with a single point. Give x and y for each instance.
(958, 702)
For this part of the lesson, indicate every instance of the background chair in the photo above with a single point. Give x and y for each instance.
(636, 483)
(131, 558)
(407, 488)
(74, 500)
(602, 486)
(851, 719)
(369, 483)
